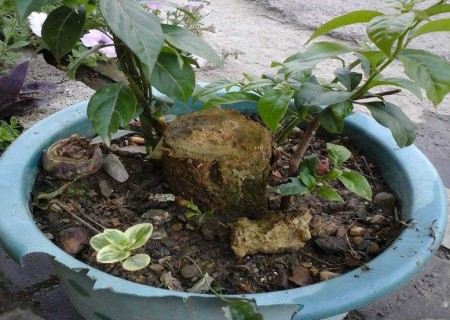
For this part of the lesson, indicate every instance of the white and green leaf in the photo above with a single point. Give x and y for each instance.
(99, 241)
(136, 262)
(139, 234)
(112, 254)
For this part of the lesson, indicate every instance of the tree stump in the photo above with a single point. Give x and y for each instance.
(219, 159)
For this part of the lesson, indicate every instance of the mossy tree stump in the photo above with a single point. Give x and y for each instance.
(219, 159)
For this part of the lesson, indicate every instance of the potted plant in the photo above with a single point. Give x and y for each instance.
(98, 295)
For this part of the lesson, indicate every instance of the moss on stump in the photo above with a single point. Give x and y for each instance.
(219, 159)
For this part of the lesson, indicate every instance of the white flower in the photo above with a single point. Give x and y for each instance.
(36, 20)
(95, 37)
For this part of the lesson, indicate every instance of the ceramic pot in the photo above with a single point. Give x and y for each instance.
(100, 296)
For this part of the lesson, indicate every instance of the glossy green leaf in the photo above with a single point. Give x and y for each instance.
(294, 187)
(320, 51)
(349, 79)
(334, 174)
(338, 154)
(384, 31)
(111, 107)
(272, 107)
(62, 29)
(330, 98)
(308, 180)
(258, 84)
(442, 25)
(370, 60)
(429, 71)
(392, 117)
(397, 82)
(111, 254)
(241, 310)
(308, 92)
(212, 88)
(138, 28)
(25, 7)
(99, 241)
(357, 184)
(187, 41)
(136, 262)
(139, 234)
(332, 117)
(359, 16)
(231, 97)
(438, 8)
(170, 79)
(329, 194)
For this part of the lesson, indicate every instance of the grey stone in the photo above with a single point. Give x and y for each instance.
(386, 200)
(115, 168)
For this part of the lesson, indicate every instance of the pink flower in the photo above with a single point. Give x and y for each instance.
(95, 37)
(198, 6)
(153, 6)
(36, 20)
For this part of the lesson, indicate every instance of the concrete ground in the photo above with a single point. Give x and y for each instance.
(33, 291)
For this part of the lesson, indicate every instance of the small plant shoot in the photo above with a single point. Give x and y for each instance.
(310, 179)
(113, 246)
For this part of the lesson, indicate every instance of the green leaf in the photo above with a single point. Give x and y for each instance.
(170, 79)
(329, 194)
(359, 16)
(258, 84)
(111, 107)
(334, 174)
(187, 41)
(437, 9)
(384, 31)
(138, 28)
(273, 105)
(429, 71)
(99, 241)
(349, 79)
(62, 29)
(397, 82)
(338, 154)
(330, 98)
(241, 310)
(370, 60)
(111, 254)
(320, 51)
(332, 117)
(392, 117)
(139, 234)
(231, 97)
(357, 184)
(308, 92)
(25, 7)
(136, 262)
(442, 25)
(294, 187)
(308, 180)
(309, 165)
(213, 87)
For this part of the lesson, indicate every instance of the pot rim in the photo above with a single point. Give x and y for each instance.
(419, 188)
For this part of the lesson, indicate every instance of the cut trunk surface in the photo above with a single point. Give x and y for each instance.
(220, 160)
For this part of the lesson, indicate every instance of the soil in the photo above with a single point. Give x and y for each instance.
(344, 235)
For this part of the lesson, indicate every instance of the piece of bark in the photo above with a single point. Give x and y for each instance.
(218, 159)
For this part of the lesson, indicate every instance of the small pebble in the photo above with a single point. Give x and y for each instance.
(356, 231)
(386, 200)
(177, 227)
(156, 267)
(189, 271)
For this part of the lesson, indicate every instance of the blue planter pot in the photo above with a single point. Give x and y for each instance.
(100, 296)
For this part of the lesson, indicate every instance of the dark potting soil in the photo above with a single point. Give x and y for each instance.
(344, 235)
